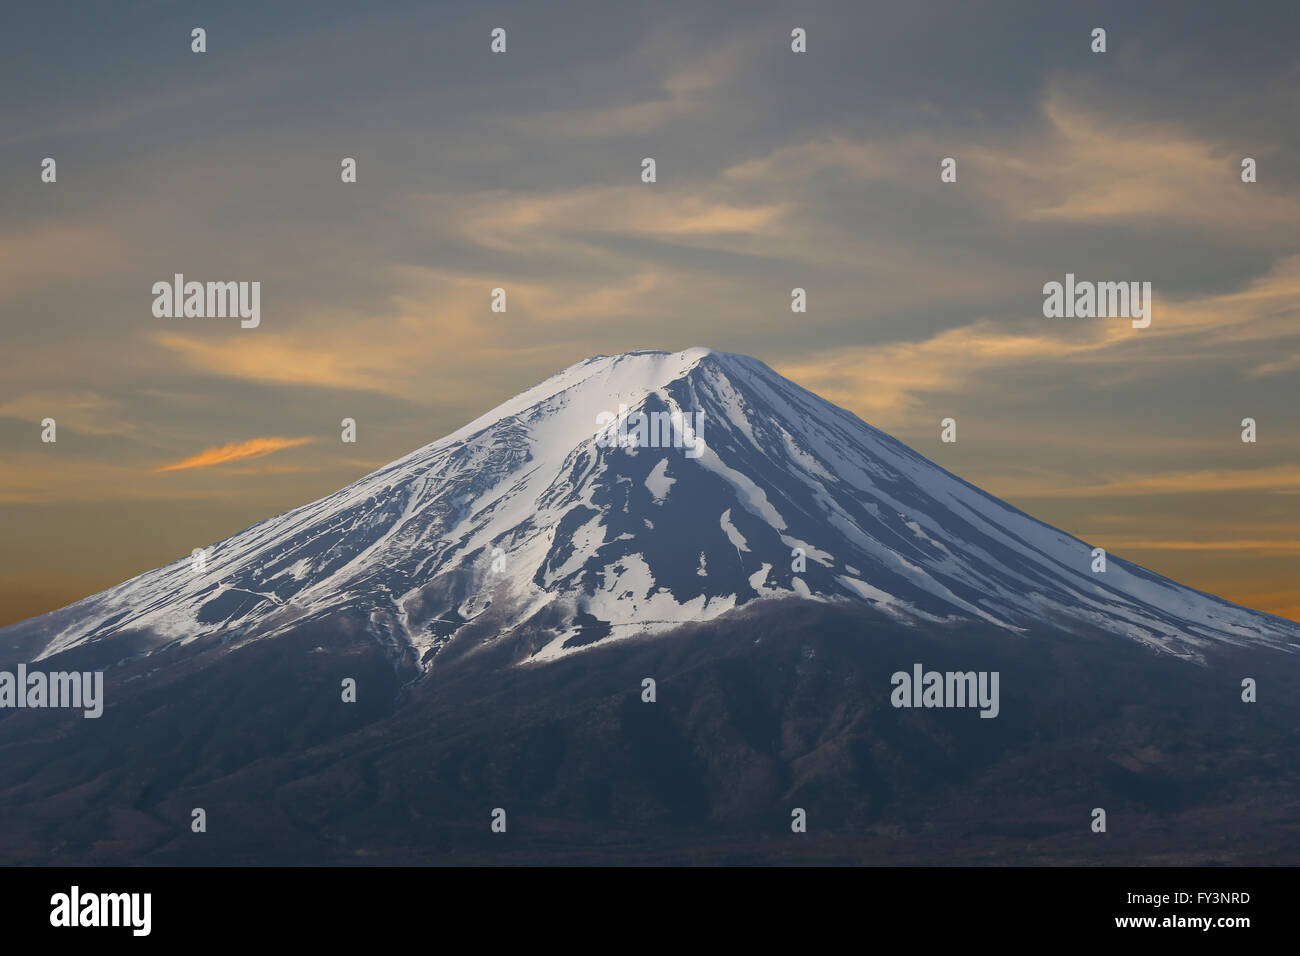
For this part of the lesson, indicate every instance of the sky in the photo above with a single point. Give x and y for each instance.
(522, 170)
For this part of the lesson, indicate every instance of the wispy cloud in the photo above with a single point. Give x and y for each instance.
(883, 382)
(684, 87)
(1262, 546)
(236, 451)
(49, 252)
(1281, 479)
(1081, 166)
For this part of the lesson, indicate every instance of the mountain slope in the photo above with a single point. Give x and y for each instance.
(523, 530)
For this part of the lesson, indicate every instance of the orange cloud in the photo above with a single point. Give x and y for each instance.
(236, 451)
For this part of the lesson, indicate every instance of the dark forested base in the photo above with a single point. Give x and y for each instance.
(780, 707)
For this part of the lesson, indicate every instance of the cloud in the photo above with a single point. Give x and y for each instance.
(331, 358)
(1283, 479)
(837, 157)
(1246, 328)
(1261, 546)
(884, 381)
(583, 217)
(86, 412)
(53, 251)
(1080, 166)
(687, 77)
(236, 451)
(433, 339)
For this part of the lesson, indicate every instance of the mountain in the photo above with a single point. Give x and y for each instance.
(501, 599)
(529, 527)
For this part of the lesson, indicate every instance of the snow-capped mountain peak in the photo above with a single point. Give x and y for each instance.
(630, 494)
